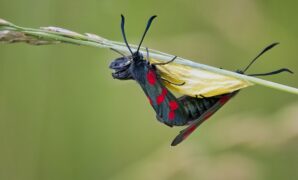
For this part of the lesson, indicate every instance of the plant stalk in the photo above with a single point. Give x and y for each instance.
(10, 33)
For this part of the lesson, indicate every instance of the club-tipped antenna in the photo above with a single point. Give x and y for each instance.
(147, 28)
(273, 72)
(123, 33)
(262, 52)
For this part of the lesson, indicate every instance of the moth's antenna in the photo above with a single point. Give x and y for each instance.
(262, 52)
(147, 28)
(123, 33)
(269, 73)
(273, 72)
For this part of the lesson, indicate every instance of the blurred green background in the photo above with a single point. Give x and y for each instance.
(62, 116)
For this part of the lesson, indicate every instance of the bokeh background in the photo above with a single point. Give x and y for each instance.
(62, 116)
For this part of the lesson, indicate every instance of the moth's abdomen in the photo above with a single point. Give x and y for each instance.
(195, 107)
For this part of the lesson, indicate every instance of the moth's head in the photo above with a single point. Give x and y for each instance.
(121, 68)
(121, 65)
(137, 56)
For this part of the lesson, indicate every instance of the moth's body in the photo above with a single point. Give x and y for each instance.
(172, 111)
(169, 110)
(196, 107)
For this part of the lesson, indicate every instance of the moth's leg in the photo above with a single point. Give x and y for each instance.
(148, 62)
(200, 95)
(164, 63)
(147, 54)
(181, 84)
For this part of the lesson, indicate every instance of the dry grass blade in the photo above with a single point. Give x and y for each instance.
(10, 32)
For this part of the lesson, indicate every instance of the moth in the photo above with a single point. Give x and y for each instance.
(203, 92)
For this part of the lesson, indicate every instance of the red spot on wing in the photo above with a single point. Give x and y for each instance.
(164, 91)
(173, 105)
(160, 98)
(151, 77)
(171, 115)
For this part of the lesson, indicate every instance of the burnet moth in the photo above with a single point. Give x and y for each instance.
(185, 110)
